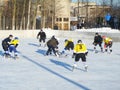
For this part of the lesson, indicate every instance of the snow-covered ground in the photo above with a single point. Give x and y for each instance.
(34, 71)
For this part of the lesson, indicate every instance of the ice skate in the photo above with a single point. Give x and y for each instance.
(86, 68)
(95, 51)
(74, 67)
(6, 55)
(15, 56)
(39, 45)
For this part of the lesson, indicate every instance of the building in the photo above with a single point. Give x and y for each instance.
(62, 15)
(88, 12)
(55, 13)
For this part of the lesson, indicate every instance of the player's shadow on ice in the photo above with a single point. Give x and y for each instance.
(40, 51)
(91, 50)
(36, 45)
(1, 53)
(118, 54)
(63, 64)
(59, 75)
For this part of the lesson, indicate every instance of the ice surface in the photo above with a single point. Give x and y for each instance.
(34, 71)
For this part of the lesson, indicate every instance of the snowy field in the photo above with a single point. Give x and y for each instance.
(34, 71)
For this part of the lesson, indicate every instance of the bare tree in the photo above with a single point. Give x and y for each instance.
(28, 19)
(13, 18)
(22, 17)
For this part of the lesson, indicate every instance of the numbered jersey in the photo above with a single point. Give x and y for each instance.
(80, 48)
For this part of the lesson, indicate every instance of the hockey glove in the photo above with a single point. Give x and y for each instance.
(86, 53)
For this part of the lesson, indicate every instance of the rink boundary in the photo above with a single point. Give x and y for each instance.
(83, 33)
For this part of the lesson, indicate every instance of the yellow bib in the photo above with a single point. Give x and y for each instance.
(14, 42)
(107, 40)
(80, 48)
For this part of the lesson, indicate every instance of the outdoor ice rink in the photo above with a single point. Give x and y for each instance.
(34, 71)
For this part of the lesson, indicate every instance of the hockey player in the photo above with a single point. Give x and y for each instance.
(98, 41)
(69, 45)
(5, 45)
(41, 36)
(52, 44)
(80, 52)
(107, 43)
(13, 45)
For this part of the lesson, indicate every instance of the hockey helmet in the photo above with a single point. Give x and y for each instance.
(79, 41)
(16, 38)
(10, 35)
(66, 40)
(96, 33)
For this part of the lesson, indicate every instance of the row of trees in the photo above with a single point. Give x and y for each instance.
(18, 14)
(22, 14)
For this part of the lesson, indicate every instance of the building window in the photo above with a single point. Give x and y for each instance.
(40, 8)
(66, 19)
(58, 19)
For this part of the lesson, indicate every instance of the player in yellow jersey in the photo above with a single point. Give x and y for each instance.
(69, 45)
(107, 43)
(80, 52)
(13, 45)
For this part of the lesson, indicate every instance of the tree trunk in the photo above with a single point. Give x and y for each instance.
(23, 12)
(14, 11)
(34, 19)
(28, 20)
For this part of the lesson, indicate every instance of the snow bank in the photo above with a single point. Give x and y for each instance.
(104, 29)
(79, 33)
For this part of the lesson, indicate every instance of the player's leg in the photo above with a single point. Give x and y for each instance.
(49, 50)
(43, 41)
(110, 47)
(77, 57)
(106, 47)
(83, 58)
(40, 40)
(15, 51)
(95, 44)
(53, 49)
(100, 45)
(5, 48)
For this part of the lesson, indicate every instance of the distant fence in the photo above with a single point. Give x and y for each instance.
(83, 34)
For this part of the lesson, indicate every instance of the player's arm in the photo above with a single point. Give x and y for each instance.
(38, 35)
(74, 51)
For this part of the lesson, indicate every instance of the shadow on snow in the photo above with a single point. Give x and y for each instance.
(63, 64)
(43, 52)
(33, 44)
(1, 53)
(90, 50)
(55, 73)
